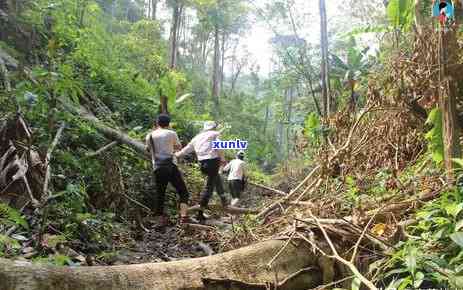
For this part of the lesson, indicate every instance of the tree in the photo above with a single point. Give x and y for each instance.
(177, 11)
(324, 64)
(449, 51)
(349, 70)
(216, 77)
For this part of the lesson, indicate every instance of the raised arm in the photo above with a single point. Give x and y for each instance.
(227, 167)
(186, 150)
(177, 144)
(147, 143)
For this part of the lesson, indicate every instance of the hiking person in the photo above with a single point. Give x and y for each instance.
(210, 161)
(236, 176)
(160, 143)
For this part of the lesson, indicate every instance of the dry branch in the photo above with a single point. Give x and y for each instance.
(103, 149)
(278, 203)
(50, 150)
(268, 188)
(228, 209)
(336, 256)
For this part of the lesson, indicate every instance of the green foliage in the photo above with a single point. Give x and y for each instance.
(312, 128)
(434, 253)
(434, 136)
(11, 216)
(401, 13)
(7, 245)
(352, 192)
(55, 260)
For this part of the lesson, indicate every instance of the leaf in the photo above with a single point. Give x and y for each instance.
(458, 161)
(395, 271)
(12, 215)
(400, 13)
(405, 283)
(183, 98)
(19, 237)
(457, 238)
(61, 260)
(410, 259)
(454, 209)
(419, 278)
(379, 229)
(456, 281)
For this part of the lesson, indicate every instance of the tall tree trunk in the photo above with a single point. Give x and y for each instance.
(267, 116)
(448, 94)
(290, 112)
(176, 16)
(222, 62)
(216, 71)
(154, 9)
(314, 98)
(163, 107)
(324, 53)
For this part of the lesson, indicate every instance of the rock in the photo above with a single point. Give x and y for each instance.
(80, 258)
(19, 237)
(27, 250)
(29, 255)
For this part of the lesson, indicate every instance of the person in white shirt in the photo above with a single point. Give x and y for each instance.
(210, 160)
(160, 143)
(236, 176)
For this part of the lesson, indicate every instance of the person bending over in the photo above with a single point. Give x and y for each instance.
(236, 176)
(210, 161)
(160, 143)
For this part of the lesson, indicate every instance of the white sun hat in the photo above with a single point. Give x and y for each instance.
(209, 125)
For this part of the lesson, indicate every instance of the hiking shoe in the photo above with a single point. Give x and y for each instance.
(234, 201)
(186, 220)
(200, 217)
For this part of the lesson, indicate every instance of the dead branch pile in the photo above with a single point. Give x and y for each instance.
(21, 167)
(386, 136)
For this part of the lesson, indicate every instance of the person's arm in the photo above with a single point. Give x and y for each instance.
(147, 143)
(177, 144)
(227, 167)
(187, 149)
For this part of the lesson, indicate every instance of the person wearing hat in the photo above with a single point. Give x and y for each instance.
(210, 160)
(161, 143)
(236, 176)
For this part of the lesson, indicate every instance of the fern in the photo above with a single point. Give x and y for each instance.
(11, 215)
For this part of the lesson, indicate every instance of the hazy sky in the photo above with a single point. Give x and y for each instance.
(256, 41)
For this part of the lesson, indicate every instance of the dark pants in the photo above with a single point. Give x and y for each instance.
(210, 167)
(163, 175)
(236, 188)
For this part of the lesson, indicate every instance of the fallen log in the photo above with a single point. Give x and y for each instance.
(108, 132)
(301, 277)
(247, 265)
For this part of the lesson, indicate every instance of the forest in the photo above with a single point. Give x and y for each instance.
(342, 167)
